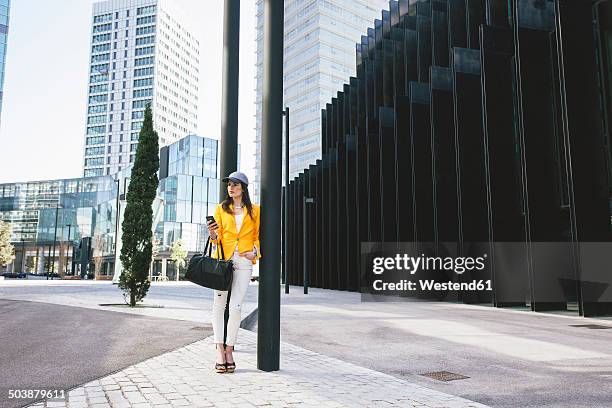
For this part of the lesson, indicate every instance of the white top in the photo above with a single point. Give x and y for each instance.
(239, 218)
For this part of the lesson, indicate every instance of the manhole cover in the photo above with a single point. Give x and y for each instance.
(445, 376)
(592, 326)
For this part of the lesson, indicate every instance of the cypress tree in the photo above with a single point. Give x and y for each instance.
(138, 217)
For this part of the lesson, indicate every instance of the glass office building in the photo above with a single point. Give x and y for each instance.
(188, 191)
(4, 28)
(319, 53)
(67, 227)
(61, 227)
(142, 52)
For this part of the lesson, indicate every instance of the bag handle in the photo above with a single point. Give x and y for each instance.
(209, 249)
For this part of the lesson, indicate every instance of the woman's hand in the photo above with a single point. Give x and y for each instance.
(250, 255)
(212, 229)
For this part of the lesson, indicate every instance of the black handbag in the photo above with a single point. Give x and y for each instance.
(213, 273)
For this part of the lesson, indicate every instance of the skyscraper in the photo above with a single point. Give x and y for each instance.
(320, 38)
(141, 53)
(4, 25)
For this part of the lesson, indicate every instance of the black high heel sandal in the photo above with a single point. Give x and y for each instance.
(230, 367)
(220, 367)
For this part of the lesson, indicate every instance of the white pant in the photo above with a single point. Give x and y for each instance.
(240, 282)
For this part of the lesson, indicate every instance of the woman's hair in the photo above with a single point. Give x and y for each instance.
(246, 200)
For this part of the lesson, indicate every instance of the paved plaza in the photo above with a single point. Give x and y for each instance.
(185, 377)
(337, 351)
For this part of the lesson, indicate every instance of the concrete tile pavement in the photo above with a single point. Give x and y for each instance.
(185, 377)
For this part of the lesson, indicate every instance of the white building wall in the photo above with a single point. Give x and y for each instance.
(152, 57)
(319, 57)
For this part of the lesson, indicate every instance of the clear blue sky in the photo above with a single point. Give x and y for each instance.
(45, 88)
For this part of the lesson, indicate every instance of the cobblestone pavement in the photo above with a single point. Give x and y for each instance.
(185, 377)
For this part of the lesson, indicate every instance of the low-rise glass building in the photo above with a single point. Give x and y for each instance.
(68, 227)
(61, 227)
(187, 193)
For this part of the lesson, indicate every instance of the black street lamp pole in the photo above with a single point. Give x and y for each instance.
(286, 202)
(268, 333)
(69, 226)
(54, 241)
(228, 157)
(117, 216)
(23, 255)
(307, 201)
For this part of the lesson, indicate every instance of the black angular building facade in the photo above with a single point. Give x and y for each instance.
(473, 125)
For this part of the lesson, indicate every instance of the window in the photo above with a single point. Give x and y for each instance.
(143, 93)
(92, 130)
(132, 158)
(145, 20)
(140, 104)
(143, 72)
(135, 136)
(145, 40)
(144, 51)
(98, 88)
(143, 82)
(94, 120)
(138, 115)
(102, 27)
(136, 125)
(145, 10)
(133, 147)
(98, 98)
(100, 48)
(144, 61)
(101, 38)
(100, 68)
(145, 30)
(98, 78)
(100, 57)
(95, 140)
(98, 161)
(93, 151)
(96, 109)
(102, 18)
(93, 172)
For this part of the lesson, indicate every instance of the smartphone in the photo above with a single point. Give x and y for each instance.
(210, 218)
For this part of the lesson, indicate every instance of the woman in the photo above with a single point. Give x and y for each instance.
(236, 227)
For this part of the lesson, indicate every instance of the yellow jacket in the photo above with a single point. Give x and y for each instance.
(246, 239)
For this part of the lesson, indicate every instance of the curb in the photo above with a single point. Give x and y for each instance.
(249, 322)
